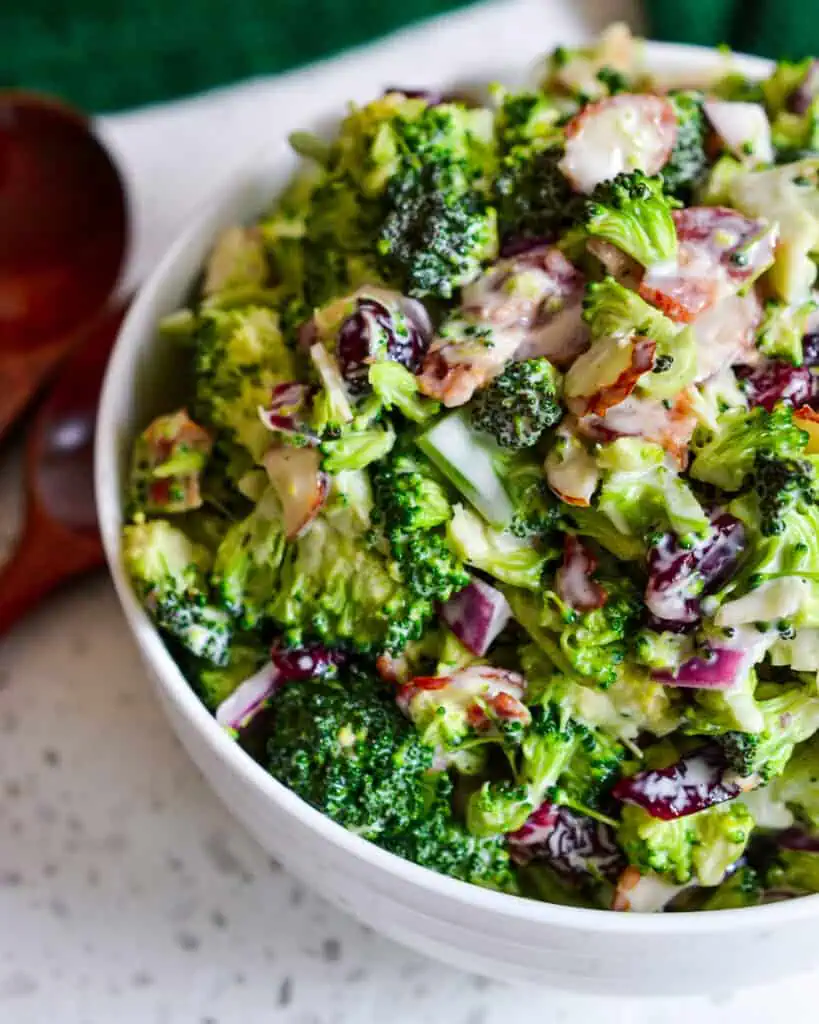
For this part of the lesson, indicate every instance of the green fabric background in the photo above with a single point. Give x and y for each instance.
(109, 54)
(772, 28)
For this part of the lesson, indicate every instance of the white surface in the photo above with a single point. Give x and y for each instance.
(126, 892)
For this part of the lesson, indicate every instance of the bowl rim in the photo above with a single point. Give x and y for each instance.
(137, 332)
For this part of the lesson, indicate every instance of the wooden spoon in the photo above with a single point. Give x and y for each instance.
(60, 539)
(63, 237)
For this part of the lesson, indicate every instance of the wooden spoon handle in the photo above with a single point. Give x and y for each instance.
(43, 560)
(22, 374)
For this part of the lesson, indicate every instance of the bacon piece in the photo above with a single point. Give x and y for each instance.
(720, 251)
(524, 306)
(642, 360)
(486, 695)
(626, 132)
(301, 485)
(648, 418)
(573, 580)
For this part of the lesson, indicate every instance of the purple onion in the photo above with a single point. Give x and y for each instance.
(248, 698)
(516, 245)
(697, 781)
(573, 844)
(374, 322)
(716, 671)
(796, 839)
(312, 661)
(288, 405)
(805, 93)
(679, 577)
(476, 615)
(777, 381)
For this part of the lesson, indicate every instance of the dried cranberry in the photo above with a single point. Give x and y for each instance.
(810, 350)
(572, 843)
(777, 381)
(678, 577)
(695, 782)
(312, 661)
(375, 332)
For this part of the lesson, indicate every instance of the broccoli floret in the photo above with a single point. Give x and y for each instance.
(537, 512)
(215, 684)
(397, 388)
(335, 587)
(789, 717)
(632, 212)
(168, 460)
(239, 357)
(169, 574)
(435, 240)
(743, 888)
(701, 846)
(356, 448)
(781, 485)
(506, 555)
(614, 311)
(727, 458)
(798, 785)
(593, 770)
(533, 196)
(441, 843)
(546, 751)
(639, 493)
(436, 226)
(520, 404)
(585, 646)
(411, 503)
(633, 704)
(246, 568)
(344, 747)
(782, 330)
(796, 871)
(688, 161)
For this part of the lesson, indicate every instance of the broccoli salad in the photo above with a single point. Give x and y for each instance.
(491, 524)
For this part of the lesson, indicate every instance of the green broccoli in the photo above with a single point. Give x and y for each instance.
(794, 871)
(411, 503)
(247, 563)
(546, 750)
(506, 555)
(780, 335)
(727, 458)
(397, 388)
(782, 486)
(436, 226)
(520, 404)
(613, 311)
(593, 770)
(701, 846)
(532, 196)
(688, 161)
(169, 574)
(632, 212)
(788, 717)
(537, 512)
(239, 357)
(215, 684)
(639, 493)
(798, 785)
(743, 888)
(344, 747)
(335, 587)
(587, 646)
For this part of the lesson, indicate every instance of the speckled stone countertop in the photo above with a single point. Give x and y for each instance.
(127, 893)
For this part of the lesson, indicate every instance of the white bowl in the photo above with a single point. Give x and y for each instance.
(505, 937)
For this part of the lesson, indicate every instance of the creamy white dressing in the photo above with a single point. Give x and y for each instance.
(744, 128)
(725, 332)
(652, 894)
(771, 601)
(572, 472)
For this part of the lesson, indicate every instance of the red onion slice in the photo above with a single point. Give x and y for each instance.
(476, 615)
(717, 671)
(249, 697)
